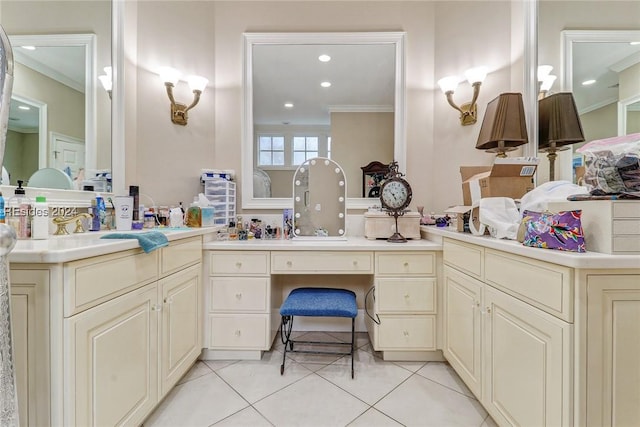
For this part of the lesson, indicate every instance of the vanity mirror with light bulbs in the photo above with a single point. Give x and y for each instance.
(334, 95)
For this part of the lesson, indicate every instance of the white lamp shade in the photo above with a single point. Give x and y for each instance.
(547, 83)
(448, 84)
(106, 81)
(169, 75)
(543, 72)
(476, 75)
(108, 71)
(197, 82)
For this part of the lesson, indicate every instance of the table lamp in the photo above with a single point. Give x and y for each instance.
(503, 127)
(558, 126)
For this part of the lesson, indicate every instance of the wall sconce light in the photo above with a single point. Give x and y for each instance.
(503, 127)
(468, 111)
(107, 80)
(558, 126)
(170, 77)
(545, 80)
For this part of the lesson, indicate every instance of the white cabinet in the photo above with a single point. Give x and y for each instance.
(113, 361)
(613, 346)
(508, 341)
(462, 327)
(30, 323)
(402, 307)
(101, 340)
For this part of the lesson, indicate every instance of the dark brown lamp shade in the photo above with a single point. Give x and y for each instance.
(558, 122)
(503, 127)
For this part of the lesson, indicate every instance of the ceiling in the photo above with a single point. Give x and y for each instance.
(362, 79)
(65, 64)
(601, 61)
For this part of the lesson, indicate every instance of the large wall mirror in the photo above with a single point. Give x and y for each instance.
(610, 59)
(58, 105)
(334, 95)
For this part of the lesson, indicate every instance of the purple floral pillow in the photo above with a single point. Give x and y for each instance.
(561, 231)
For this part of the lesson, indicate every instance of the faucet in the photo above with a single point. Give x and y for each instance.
(62, 222)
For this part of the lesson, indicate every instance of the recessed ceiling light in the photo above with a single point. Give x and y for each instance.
(325, 84)
(24, 107)
(588, 82)
(29, 47)
(288, 105)
(324, 58)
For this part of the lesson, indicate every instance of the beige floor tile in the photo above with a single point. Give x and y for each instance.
(443, 373)
(421, 402)
(373, 418)
(374, 378)
(489, 422)
(216, 365)
(257, 379)
(200, 402)
(362, 338)
(248, 417)
(312, 401)
(411, 366)
(317, 358)
(197, 370)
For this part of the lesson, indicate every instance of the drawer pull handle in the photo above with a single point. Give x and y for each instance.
(405, 333)
(238, 264)
(406, 264)
(355, 262)
(289, 263)
(238, 296)
(156, 307)
(237, 333)
(168, 300)
(407, 296)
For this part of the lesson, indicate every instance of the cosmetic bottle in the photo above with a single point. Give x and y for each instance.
(19, 213)
(2, 212)
(40, 222)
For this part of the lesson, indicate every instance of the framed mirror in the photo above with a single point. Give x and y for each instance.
(334, 95)
(86, 29)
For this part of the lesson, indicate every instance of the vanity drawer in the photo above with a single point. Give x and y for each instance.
(626, 226)
(238, 294)
(245, 263)
(406, 295)
(92, 281)
(180, 254)
(542, 284)
(464, 257)
(239, 331)
(406, 263)
(407, 333)
(321, 262)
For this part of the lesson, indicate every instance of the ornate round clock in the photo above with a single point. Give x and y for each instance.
(395, 196)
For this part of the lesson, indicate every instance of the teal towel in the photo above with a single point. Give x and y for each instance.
(148, 241)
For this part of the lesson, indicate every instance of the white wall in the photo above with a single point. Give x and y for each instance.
(442, 38)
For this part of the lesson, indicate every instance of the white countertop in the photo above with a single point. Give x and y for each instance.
(590, 260)
(71, 247)
(351, 243)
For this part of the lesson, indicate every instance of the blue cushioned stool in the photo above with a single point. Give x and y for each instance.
(318, 302)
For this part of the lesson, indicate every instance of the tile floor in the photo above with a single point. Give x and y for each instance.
(318, 391)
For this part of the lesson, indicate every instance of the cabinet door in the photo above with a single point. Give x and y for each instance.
(527, 363)
(30, 323)
(112, 360)
(613, 346)
(180, 338)
(463, 327)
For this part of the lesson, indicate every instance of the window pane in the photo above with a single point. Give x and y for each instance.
(312, 143)
(265, 143)
(298, 143)
(265, 158)
(278, 158)
(278, 143)
(311, 154)
(298, 157)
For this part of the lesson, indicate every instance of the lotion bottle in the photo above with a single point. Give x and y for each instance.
(40, 223)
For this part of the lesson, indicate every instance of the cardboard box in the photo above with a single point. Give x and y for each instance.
(457, 217)
(510, 177)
